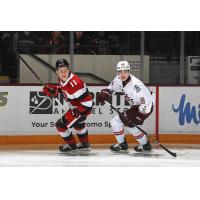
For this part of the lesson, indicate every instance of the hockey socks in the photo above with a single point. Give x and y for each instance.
(119, 135)
(140, 137)
(84, 142)
(83, 135)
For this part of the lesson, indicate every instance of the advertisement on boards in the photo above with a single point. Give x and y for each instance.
(179, 110)
(27, 111)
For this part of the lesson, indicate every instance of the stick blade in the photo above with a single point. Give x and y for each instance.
(168, 151)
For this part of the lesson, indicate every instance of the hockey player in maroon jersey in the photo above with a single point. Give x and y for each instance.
(141, 100)
(77, 94)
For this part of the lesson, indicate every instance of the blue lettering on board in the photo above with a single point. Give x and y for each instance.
(187, 113)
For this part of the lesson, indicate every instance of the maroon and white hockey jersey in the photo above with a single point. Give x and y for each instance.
(136, 93)
(77, 93)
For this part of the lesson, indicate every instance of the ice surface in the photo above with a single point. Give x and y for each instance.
(99, 157)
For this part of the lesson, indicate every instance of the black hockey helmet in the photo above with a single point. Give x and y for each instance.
(62, 63)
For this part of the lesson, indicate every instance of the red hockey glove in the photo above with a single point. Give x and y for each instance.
(51, 90)
(104, 95)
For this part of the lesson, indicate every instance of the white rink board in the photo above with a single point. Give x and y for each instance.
(17, 116)
(179, 110)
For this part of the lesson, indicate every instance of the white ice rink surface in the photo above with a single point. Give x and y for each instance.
(99, 157)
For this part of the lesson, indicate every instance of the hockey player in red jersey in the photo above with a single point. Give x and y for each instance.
(77, 94)
(141, 100)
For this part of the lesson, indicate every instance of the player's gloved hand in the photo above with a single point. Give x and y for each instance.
(75, 112)
(135, 115)
(132, 116)
(125, 119)
(104, 95)
(51, 90)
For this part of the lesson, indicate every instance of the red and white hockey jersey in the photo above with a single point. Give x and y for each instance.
(136, 93)
(77, 93)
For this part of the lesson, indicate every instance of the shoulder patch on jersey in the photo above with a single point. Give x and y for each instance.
(137, 87)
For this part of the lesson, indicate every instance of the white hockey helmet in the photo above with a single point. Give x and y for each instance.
(123, 65)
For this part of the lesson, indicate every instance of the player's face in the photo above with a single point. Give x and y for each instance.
(63, 73)
(123, 75)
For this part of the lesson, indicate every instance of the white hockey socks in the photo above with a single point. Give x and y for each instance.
(119, 135)
(140, 137)
(118, 129)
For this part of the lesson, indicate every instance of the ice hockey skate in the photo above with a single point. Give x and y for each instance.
(143, 148)
(120, 148)
(66, 148)
(84, 147)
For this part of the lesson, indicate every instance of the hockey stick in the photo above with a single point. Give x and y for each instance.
(150, 137)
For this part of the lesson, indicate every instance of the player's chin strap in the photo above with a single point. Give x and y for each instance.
(151, 138)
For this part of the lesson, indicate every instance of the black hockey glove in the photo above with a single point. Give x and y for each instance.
(75, 112)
